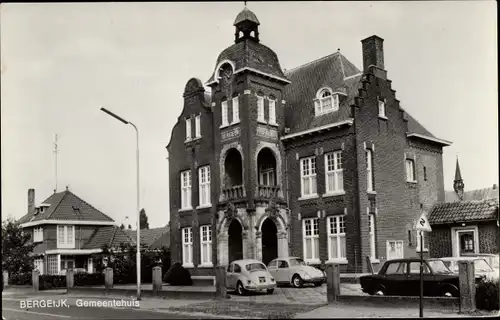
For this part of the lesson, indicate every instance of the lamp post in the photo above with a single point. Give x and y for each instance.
(138, 261)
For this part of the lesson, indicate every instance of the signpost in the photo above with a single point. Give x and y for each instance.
(422, 226)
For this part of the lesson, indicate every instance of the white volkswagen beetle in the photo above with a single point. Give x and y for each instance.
(295, 271)
(249, 275)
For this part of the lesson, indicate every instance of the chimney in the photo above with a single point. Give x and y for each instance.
(31, 200)
(494, 187)
(373, 56)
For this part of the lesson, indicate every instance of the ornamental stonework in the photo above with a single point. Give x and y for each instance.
(267, 132)
(230, 133)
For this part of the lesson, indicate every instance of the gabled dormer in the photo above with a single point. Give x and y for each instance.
(328, 100)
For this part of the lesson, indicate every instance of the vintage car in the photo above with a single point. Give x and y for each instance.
(481, 267)
(295, 271)
(401, 277)
(249, 275)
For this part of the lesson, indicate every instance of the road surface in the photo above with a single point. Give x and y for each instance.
(11, 310)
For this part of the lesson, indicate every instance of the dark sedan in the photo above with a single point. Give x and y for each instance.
(401, 277)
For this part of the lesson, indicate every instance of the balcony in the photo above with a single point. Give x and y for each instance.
(268, 192)
(233, 193)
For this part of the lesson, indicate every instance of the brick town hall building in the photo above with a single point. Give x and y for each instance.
(319, 162)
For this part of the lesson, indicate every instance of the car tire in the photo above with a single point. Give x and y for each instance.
(240, 289)
(450, 291)
(297, 281)
(270, 291)
(380, 291)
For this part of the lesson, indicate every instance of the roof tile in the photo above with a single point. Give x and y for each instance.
(463, 211)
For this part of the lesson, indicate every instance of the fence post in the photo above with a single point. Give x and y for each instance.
(467, 283)
(36, 280)
(70, 279)
(108, 278)
(332, 282)
(157, 280)
(220, 281)
(5, 279)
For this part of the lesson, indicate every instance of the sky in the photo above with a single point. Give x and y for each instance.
(60, 63)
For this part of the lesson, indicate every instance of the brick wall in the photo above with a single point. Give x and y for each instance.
(489, 237)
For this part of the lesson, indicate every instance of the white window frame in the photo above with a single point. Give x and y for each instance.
(38, 234)
(326, 102)
(236, 110)
(65, 237)
(396, 242)
(340, 236)
(410, 170)
(90, 265)
(65, 262)
(260, 109)
(188, 130)
(372, 229)
(197, 126)
(369, 170)
(426, 249)
(206, 246)
(187, 247)
(204, 187)
(308, 172)
(224, 111)
(337, 172)
(381, 108)
(455, 238)
(38, 265)
(313, 237)
(272, 111)
(186, 190)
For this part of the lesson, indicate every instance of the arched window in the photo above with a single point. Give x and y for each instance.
(326, 102)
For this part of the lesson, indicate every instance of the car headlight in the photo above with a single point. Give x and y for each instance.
(249, 282)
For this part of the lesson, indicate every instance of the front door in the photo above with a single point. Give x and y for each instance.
(235, 241)
(269, 241)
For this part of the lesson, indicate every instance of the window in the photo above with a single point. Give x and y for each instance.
(381, 108)
(394, 250)
(466, 242)
(225, 120)
(326, 102)
(197, 128)
(282, 264)
(396, 268)
(204, 181)
(311, 239)
(236, 110)
(425, 174)
(415, 268)
(67, 263)
(38, 264)
(52, 264)
(266, 174)
(273, 264)
(186, 189)
(206, 244)
(371, 231)
(187, 247)
(272, 111)
(410, 170)
(260, 109)
(334, 172)
(237, 268)
(426, 249)
(188, 129)
(66, 237)
(38, 234)
(369, 170)
(336, 238)
(308, 176)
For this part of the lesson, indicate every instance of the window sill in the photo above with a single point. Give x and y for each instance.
(188, 266)
(414, 181)
(327, 112)
(371, 191)
(334, 194)
(425, 250)
(204, 206)
(185, 209)
(206, 265)
(382, 117)
(223, 126)
(336, 261)
(261, 121)
(315, 196)
(234, 122)
(192, 140)
(274, 124)
(312, 261)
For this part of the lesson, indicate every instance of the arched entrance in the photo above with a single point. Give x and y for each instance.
(235, 241)
(269, 241)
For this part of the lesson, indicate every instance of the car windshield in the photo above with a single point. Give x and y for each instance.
(481, 266)
(255, 266)
(439, 267)
(297, 262)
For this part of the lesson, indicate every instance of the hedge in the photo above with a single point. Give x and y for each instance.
(89, 279)
(49, 281)
(487, 297)
(20, 279)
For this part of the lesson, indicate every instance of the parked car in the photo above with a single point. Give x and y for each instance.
(401, 277)
(249, 275)
(295, 271)
(481, 267)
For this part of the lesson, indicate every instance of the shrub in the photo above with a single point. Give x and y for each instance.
(487, 297)
(21, 279)
(178, 276)
(88, 279)
(49, 281)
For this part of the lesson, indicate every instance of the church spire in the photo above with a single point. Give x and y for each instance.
(247, 25)
(458, 183)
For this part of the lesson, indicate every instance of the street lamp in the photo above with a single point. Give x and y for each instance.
(138, 261)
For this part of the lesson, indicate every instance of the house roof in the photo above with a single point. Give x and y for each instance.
(66, 205)
(152, 237)
(112, 236)
(464, 211)
(471, 195)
